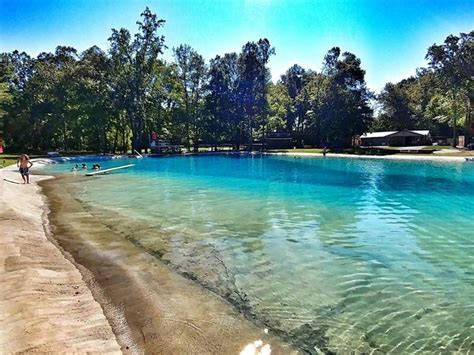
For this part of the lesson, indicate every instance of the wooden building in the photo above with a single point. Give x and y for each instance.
(278, 140)
(402, 138)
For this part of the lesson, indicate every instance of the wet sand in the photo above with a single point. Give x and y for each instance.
(150, 307)
(45, 304)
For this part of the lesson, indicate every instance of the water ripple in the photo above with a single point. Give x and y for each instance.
(349, 256)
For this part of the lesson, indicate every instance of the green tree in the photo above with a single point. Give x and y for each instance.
(279, 106)
(351, 112)
(453, 62)
(16, 70)
(398, 111)
(222, 99)
(440, 111)
(96, 111)
(317, 98)
(6, 97)
(295, 79)
(192, 75)
(253, 78)
(133, 64)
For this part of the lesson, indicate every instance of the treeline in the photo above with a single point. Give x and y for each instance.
(439, 98)
(112, 101)
(330, 107)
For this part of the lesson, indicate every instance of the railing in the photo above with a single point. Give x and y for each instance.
(139, 156)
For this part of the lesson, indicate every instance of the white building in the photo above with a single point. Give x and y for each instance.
(396, 138)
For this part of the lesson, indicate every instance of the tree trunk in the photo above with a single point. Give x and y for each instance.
(64, 135)
(124, 140)
(115, 141)
(106, 142)
(136, 130)
(250, 147)
(454, 120)
(468, 126)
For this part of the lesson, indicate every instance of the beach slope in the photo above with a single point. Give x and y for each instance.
(45, 305)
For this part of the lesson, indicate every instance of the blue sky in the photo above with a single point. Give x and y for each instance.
(390, 36)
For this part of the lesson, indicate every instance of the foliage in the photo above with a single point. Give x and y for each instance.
(112, 100)
(438, 97)
(279, 107)
(133, 74)
(295, 80)
(191, 73)
(252, 85)
(222, 101)
(337, 100)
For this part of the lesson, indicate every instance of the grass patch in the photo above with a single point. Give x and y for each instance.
(437, 147)
(7, 161)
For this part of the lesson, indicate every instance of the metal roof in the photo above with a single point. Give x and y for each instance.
(423, 132)
(378, 134)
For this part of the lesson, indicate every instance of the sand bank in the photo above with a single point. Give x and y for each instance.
(45, 305)
(151, 307)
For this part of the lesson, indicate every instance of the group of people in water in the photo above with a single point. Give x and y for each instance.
(84, 167)
(24, 164)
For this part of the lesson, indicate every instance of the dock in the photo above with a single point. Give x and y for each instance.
(105, 171)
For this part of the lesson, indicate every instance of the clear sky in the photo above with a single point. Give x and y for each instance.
(390, 36)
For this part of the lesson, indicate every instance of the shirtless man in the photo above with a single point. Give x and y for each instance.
(24, 164)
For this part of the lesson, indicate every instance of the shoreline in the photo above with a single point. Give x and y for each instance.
(41, 162)
(46, 305)
(151, 299)
(406, 157)
(130, 301)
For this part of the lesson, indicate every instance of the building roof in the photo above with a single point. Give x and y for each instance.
(378, 134)
(279, 135)
(423, 132)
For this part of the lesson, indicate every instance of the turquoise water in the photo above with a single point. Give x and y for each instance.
(333, 254)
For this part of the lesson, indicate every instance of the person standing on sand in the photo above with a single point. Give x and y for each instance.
(24, 164)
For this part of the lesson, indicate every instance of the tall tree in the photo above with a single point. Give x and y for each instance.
(398, 109)
(254, 76)
(133, 71)
(192, 75)
(418, 102)
(453, 61)
(221, 100)
(279, 107)
(352, 113)
(295, 79)
(95, 106)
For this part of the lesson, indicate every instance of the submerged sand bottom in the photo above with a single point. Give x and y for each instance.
(150, 307)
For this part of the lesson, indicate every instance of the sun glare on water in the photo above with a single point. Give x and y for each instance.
(256, 348)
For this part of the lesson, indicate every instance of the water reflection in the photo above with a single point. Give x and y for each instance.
(256, 348)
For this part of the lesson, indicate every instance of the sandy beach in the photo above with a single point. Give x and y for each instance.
(45, 305)
(70, 285)
(411, 157)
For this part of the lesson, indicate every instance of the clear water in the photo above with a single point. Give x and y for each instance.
(337, 254)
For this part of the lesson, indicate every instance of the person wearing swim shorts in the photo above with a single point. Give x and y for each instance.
(24, 164)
